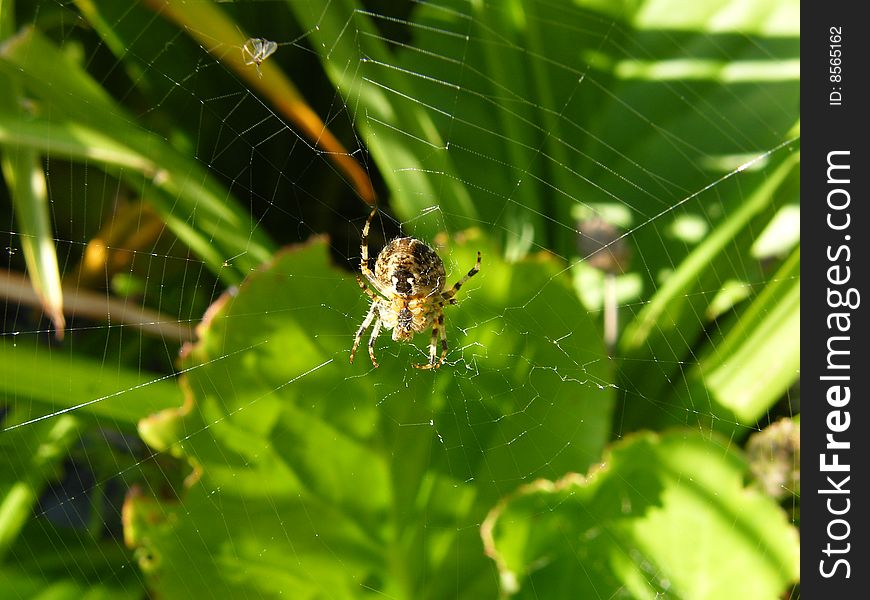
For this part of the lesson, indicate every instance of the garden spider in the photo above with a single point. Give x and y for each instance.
(408, 296)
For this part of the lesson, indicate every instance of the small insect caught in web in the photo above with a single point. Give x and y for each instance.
(256, 50)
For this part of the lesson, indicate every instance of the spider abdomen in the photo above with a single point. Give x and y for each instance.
(410, 269)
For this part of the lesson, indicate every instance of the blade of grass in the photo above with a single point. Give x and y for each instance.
(501, 33)
(224, 39)
(22, 169)
(71, 140)
(550, 115)
(675, 295)
(759, 358)
(86, 123)
(41, 449)
(396, 125)
(7, 18)
(665, 330)
(90, 10)
(78, 142)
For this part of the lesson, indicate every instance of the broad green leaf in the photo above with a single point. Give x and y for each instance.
(663, 516)
(311, 463)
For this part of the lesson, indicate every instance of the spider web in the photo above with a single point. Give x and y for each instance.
(471, 120)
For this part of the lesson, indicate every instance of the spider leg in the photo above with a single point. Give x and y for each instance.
(448, 295)
(372, 314)
(375, 331)
(432, 343)
(443, 331)
(438, 330)
(365, 288)
(364, 247)
(364, 257)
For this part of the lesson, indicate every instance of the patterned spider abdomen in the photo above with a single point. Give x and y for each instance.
(410, 269)
(413, 275)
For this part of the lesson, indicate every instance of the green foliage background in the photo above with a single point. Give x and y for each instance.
(536, 462)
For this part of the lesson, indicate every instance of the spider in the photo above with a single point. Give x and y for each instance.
(408, 297)
(256, 50)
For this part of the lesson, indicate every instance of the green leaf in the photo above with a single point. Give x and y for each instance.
(312, 462)
(22, 169)
(662, 516)
(72, 140)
